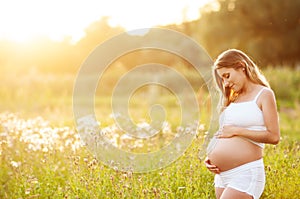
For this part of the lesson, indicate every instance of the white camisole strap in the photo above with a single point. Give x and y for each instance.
(258, 94)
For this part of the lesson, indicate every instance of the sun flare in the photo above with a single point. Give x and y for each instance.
(25, 20)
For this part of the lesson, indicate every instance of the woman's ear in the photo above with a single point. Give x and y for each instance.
(243, 66)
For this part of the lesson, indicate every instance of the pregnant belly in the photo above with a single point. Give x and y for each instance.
(229, 153)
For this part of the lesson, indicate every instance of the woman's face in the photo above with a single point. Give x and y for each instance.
(232, 78)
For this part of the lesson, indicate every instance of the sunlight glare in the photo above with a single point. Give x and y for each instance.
(25, 20)
(138, 32)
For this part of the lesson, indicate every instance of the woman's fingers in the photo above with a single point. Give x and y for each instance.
(214, 170)
(211, 167)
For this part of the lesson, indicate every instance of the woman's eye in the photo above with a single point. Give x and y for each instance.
(226, 76)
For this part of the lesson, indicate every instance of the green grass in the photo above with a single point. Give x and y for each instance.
(41, 157)
(76, 174)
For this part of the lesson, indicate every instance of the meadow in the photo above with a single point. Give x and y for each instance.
(42, 156)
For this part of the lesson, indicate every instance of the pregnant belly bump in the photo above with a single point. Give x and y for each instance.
(231, 152)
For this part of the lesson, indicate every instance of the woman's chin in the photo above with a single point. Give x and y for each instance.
(235, 89)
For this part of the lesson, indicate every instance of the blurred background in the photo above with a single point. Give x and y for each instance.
(44, 43)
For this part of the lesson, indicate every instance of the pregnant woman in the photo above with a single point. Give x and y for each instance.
(248, 119)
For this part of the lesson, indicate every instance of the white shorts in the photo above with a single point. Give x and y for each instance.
(248, 178)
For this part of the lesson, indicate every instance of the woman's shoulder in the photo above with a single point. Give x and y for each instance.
(267, 90)
(264, 89)
(267, 94)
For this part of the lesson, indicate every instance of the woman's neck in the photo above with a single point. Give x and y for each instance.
(247, 89)
(246, 92)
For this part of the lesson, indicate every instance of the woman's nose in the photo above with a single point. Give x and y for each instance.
(226, 83)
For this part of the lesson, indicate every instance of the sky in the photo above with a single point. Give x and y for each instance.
(22, 20)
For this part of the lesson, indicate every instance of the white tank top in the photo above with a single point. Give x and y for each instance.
(244, 114)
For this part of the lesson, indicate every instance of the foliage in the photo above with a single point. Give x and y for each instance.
(41, 155)
(40, 161)
(267, 30)
(286, 84)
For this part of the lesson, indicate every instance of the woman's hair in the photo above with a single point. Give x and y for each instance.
(236, 59)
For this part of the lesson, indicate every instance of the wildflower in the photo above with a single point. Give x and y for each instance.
(15, 164)
(45, 150)
(145, 191)
(115, 115)
(27, 191)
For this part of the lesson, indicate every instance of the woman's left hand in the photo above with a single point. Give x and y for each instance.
(228, 131)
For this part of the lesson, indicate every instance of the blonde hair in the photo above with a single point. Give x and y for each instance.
(236, 59)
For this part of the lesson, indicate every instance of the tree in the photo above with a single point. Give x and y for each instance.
(267, 30)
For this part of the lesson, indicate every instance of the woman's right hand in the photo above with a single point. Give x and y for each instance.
(212, 168)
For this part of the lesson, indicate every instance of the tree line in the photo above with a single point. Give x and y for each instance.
(268, 30)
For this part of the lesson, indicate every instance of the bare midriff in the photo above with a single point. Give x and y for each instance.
(229, 153)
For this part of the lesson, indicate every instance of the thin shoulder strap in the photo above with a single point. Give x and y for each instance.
(258, 94)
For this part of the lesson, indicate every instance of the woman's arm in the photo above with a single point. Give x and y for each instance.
(267, 103)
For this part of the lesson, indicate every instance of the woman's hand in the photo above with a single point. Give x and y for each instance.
(212, 168)
(228, 131)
